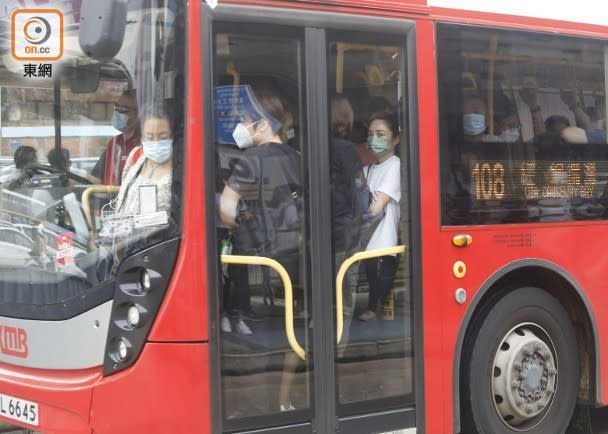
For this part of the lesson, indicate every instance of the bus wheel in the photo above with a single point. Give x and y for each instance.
(522, 370)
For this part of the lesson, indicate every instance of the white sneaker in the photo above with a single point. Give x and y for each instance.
(243, 328)
(287, 407)
(225, 325)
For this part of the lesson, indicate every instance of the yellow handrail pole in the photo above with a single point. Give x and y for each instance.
(340, 68)
(86, 206)
(491, 70)
(359, 256)
(271, 263)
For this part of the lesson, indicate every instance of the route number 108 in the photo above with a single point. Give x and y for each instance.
(489, 180)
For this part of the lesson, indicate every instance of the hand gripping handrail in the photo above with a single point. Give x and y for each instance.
(359, 256)
(267, 262)
(86, 206)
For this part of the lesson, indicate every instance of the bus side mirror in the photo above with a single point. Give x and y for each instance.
(102, 27)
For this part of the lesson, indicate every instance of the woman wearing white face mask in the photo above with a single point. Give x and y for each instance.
(384, 181)
(267, 168)
(149, 165)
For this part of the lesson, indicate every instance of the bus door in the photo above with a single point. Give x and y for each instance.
(313, 304)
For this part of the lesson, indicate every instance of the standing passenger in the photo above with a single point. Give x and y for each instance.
(265, 178)
(384, 180)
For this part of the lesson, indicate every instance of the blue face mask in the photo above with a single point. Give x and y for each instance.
(473, 124)
(120, 121)
(158, 151)
(378, 146)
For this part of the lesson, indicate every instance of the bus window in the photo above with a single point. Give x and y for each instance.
(90, 154)
(368, 160)
(259, 181)
(523, 136)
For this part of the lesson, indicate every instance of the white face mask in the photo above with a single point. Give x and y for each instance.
(242, 136)
(473, 123)
(509, 136)
(158, 151)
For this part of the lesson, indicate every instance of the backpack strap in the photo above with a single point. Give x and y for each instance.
(134, 156)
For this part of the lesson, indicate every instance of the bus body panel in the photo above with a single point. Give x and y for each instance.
(165, 391)
(183, 315)
(493, 250)
(435, 375)
(63, 397)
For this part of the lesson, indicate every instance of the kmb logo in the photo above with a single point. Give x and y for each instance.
(37, 34)
(13, 341)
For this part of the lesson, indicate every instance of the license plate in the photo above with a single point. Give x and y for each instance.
(18, 409)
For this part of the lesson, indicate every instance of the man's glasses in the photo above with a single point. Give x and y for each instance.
(123, 108)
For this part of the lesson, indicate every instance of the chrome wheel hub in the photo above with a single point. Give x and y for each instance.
(525, 377)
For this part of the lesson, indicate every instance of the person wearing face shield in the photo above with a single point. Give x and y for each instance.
(384, 181)
(109, 167)
(265, 178)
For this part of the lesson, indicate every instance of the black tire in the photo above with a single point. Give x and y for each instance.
(533, 315)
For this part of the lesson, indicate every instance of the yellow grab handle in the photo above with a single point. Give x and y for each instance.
(86, 206)
(359, 256)
(267, 262)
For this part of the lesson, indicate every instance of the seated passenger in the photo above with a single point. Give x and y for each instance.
(23, 156)
(61, 161)
(556, 123)
(475, 121)
(588, 129)
(148, 165)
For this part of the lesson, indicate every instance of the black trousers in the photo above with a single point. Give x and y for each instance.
(380, 276)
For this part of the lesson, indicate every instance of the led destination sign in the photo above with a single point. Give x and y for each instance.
(536, 180)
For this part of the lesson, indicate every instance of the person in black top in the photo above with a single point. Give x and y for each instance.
(347, 184)
(258, 199)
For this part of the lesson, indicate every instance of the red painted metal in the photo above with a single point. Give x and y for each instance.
(63, 397)
(436, 377)
(183, 315)
(166, 391)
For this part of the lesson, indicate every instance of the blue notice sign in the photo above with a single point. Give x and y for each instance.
(230, 102)
(14, 145)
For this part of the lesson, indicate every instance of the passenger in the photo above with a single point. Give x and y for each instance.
(149, 164)
(61, 161)
(475, 121)
(384, 180)
(266, 166)
(588, 129)
(508, 125)
(369, 106)
(23, 156)
(556, 123)
(347, 186)
(346, 173)
(529, 95)
(110, 165)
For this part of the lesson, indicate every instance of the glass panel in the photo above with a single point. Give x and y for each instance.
(368, 150)
(258, 111)
(523, 127)
(53, 247)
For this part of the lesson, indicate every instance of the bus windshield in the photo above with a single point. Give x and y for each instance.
(89, 159)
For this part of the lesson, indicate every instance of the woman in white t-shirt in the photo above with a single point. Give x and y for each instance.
(384, 181)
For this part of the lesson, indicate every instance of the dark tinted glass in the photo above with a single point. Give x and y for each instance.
(523, 127)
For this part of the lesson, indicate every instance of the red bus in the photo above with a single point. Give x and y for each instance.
(346, 216)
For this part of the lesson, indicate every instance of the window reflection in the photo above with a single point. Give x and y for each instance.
(523, 127)
(373, 357)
